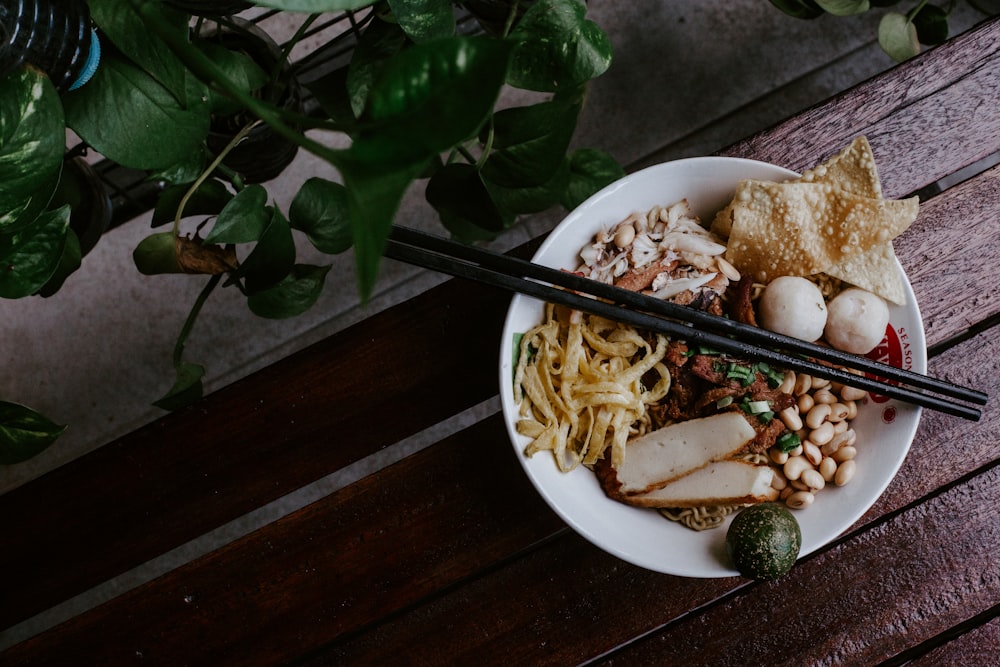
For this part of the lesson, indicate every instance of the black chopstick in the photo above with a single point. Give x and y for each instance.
(510, 273)
(636, 300)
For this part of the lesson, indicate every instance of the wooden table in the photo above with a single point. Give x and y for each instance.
(450, 557)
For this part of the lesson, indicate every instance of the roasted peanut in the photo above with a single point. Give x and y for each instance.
(800, 500)
(828, 468)
(845, 472)
(824, 396)
(845, 453)
(817, 415)
(795, 466)
(852, 393)
(791, 418)
(812, 453)
(813, 479)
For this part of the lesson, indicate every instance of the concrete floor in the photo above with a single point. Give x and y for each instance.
(688, 78)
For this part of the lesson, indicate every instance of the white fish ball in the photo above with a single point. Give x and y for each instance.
(793, 306)
(857, 320)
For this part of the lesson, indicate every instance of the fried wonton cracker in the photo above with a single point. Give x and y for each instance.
(800, 229)
(832, 220)
(854, 170)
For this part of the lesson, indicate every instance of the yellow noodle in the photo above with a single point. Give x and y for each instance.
(579, 382)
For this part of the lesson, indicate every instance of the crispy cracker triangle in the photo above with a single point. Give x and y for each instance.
(804, 228)
(852, 169)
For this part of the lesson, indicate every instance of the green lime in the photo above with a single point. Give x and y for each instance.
(764, 541)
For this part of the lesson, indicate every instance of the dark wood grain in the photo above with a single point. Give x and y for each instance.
(975, 646)
(249, 444)
(456, 527)
(953, 238)
(918, 136)
(900, 583)
(573, 587)
(421, 525)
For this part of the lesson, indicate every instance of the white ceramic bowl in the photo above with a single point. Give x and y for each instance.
(643, 537)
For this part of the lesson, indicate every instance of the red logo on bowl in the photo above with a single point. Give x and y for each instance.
(894, 350)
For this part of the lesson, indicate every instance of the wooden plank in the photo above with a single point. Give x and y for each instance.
(954, 237)
(401, 545)
(437, 517)
(248, 444)
(902, 582)
(584, 603)
(914, 146)
(977, 646)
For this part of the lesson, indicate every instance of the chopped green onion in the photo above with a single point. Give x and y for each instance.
(788, 441)
(766, 417)
(774, 378)
(744, 374)
(724, 401)
(757, 407)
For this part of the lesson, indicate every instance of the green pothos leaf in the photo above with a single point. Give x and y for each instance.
(844, 7)
(294, 295)
(557, 47)
(590, 170)
(374, 191)
(70, 260)
(24, 432)
(458, 194)
(424, 19)
(431, 97)
(121, 24)
(931, 23)
(320, 210)
(32, 132)
(314, 6)
(239, 68)
(243, 219)
(530, 142)
(524, 199)
(209, 199)
(379, 40)
(800, 9)
(898, 37)
(186, 389)
(131, 119)
(272, 258)
(34, 254)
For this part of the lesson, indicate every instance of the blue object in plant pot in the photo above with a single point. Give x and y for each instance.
(56, 36)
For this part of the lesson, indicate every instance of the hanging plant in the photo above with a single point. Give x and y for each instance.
(900, 35)
(417, 103)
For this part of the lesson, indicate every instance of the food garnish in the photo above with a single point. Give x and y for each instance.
(832, 220)
(763, 541)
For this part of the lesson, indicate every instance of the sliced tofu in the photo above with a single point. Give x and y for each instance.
(719, 483)
(659, 457)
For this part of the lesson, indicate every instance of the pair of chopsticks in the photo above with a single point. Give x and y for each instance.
(679, 322)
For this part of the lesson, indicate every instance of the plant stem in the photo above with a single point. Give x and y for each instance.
(286, 52)
(206, 70)
(913, 12)
(208, 172)
(192, 317)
